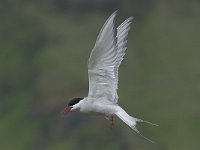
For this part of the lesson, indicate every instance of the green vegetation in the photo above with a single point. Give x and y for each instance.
(43, 56)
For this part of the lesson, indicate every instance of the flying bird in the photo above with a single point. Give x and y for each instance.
(103, 65)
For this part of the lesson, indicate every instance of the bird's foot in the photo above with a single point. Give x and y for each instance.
(112, 123)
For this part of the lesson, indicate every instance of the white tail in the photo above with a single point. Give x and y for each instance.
(131, 121)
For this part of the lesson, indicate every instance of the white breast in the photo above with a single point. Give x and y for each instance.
(97, 107)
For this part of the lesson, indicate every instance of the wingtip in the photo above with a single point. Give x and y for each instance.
(112, 17)
(131, 17)
(114, 14)
(116, 11)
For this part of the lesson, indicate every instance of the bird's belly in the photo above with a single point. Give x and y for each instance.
(94, 113)
(99, 109)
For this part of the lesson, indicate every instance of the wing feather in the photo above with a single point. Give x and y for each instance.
(105, 59)
(122, 33)
(102, 62)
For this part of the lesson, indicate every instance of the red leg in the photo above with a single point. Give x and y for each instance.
(112, 124)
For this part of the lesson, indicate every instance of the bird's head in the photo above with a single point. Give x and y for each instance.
(72, 105)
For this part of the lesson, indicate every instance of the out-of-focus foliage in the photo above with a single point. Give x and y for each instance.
(44, 47)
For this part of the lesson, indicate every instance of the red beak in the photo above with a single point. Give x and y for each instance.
(67, 110)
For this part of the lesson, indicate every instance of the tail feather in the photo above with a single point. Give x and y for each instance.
(153, 124)
(132, 122)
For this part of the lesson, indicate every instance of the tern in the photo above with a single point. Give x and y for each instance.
(103, 65)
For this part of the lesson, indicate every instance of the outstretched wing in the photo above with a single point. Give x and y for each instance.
(122, 33)
(106, 58)
(102, 62)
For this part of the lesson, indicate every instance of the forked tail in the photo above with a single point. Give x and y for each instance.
(131, 121)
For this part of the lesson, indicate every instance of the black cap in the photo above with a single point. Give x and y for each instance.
(74, 101)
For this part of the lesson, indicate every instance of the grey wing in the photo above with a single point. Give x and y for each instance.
(101, 63)
(122, 33)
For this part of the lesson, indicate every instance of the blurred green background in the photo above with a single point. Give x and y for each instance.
(44, 47)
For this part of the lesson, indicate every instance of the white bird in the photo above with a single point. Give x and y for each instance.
(103, 65)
